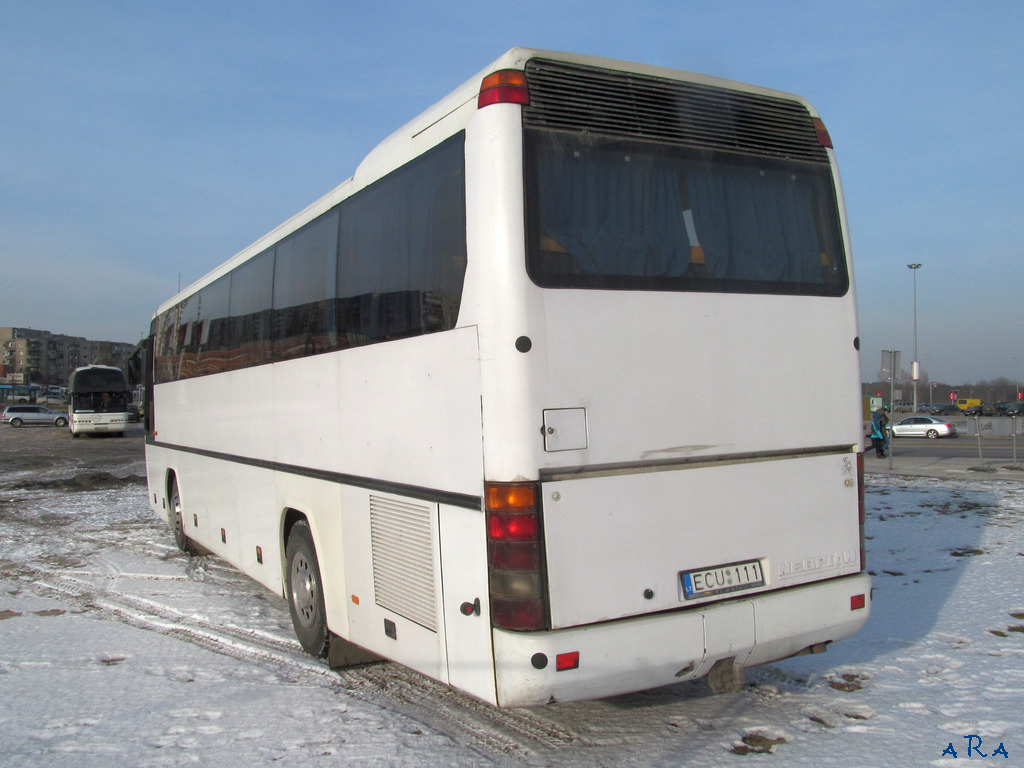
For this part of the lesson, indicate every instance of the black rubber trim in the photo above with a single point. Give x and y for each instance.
(370, 483)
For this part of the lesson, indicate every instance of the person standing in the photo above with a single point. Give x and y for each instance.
(879, 436)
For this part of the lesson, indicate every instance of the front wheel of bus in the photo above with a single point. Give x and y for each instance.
(305, 591)
(184, 543)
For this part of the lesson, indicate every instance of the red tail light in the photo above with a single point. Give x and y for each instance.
(514, 556)
(506, 86)
(822, 132)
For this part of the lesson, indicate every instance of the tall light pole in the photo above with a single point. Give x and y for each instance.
(915, 372)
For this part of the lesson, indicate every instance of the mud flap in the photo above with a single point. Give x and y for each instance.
(342, 653)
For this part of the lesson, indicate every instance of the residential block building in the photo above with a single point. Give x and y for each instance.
(30, 356)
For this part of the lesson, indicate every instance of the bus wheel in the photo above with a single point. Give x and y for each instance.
(305, 591)
(184, 543)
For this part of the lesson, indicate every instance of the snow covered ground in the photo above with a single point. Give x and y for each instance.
(115, 649)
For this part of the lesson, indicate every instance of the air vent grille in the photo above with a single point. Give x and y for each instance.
(574, 97)
(402, 542)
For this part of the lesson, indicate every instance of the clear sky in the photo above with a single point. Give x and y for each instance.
(143, 143)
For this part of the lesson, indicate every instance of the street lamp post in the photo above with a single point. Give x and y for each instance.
(915, 372)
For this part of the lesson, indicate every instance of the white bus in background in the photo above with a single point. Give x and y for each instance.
(446, 411)
(98, 399)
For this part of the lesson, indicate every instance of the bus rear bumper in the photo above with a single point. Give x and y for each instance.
(635, 654)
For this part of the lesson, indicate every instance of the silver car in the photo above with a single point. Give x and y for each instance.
(17, 415)
(923, 426)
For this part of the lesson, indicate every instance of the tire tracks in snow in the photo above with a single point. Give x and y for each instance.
(504, 736)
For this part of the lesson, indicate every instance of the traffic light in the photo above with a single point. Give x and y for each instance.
(1020, 395)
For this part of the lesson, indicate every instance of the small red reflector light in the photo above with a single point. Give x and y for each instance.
(857, 602)
(819, 128)
(506, 86)
(564, 661)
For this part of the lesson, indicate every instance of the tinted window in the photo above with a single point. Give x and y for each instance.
(403, 250)
(384, 264)
(304, 281)
(626, 214)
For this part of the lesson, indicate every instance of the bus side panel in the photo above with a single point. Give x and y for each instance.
(406, 411)
(465, 604)
(228, 508)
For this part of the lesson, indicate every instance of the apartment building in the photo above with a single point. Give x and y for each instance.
(30, 356)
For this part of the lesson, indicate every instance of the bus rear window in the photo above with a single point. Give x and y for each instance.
(633, 215)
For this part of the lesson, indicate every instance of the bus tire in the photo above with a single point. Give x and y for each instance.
(184, 543)
(305, 591)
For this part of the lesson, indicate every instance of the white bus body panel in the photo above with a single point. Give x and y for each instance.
(612, 539)
(415, 402)
(403, 412)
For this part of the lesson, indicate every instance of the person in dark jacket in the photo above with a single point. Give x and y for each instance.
(879, 435)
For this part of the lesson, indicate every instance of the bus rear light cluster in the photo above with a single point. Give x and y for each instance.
(822, 132)
(514, 556)
(506, 86)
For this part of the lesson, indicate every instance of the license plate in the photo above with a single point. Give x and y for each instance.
(721, 579)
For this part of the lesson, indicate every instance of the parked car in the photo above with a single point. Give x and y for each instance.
(923, 426)
(979, 410)
(928, 408)
(904, 407)
(944, 410)
(17, 415)
(1017, 409)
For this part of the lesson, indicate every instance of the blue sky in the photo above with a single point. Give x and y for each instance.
(143, 141)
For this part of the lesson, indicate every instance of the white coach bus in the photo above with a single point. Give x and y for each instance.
(98, 399)
(449, 410)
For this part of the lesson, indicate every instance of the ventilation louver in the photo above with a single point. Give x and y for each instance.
(574, 97)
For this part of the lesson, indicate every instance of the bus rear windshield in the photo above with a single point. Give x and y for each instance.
(632, 215)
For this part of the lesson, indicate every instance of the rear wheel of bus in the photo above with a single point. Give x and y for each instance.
(305, 591)
(184, 543)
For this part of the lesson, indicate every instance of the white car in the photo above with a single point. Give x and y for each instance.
(923, 426)
(16, 415)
